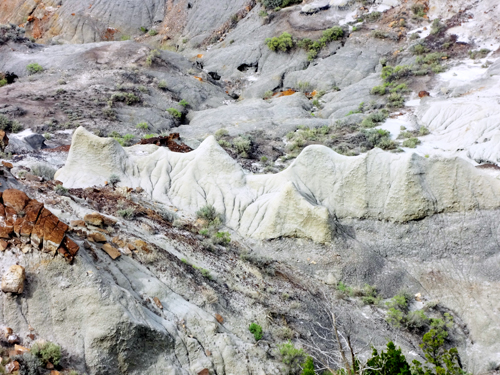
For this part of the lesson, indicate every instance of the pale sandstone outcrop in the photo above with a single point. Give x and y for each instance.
(377, 185)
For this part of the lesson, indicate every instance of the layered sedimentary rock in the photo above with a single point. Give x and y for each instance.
(299, 201)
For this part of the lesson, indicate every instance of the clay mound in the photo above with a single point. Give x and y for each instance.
(296, 202)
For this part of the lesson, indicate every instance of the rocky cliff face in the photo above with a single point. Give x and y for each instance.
(352, 158)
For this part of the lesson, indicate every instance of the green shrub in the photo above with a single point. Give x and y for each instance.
(153, 32)
(207, 212)
(395, 100)
(28, 364)
(44, 171)
(273, 4)
(256, 330)
(423, 131)
(418, 10)
(221, 133)
(373, 16)
(379, 34)
(152, 56)
(291, 356)
(114, 179)
(400, 301)
(3, 82)
(126, 213)
(308, 367)
(61, 190)
(148, 136)
(221, 238)
(284, 42)
(480, 54)
(9, 125)
(184, 103)
(419, 49)
(378, 90)
(437, 27)
(142, 125)
(391, 362)
(411, 142)
(34, 68)
(174, 113)
(162, 85)
(243, 146)
(47, 352)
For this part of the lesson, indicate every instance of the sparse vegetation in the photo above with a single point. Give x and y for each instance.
(284, 42)
(256, 330)
(277, 4)
(479, 54)
(61, 190)
(34, 68)
(174, 113)
(162, 85)
(114, 179)
(7, 124)
(142, 125)
(126, 213)
(44, 171)
(291, 356)
(411, 142)
(153, 32)
(184, 103)
(152, 56)
(47, 352)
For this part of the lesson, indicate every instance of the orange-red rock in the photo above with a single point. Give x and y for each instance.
(98, 220)
(219, 318)
(49, 231)
(97, 237)
(21, 349)
(15, 199)
(78, 223)
(32, 209)
(6, 230)
(111, 251)
(158, 302)
(6, 164)
(4, 140)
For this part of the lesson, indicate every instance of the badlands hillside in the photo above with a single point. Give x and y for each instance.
(250, 187)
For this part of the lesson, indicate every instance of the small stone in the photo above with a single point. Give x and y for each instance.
(208, 352)
(118, 242)
(147, 228)
(205, 371)
(126, 251)
(139, 190)
(97, 237)
(7, 332)
(13, 280)
(55, 372)
(6, 230)
(131, 247)
(77, 223)
(26, 249)
(3, 245)
(12, 367)
(21, 349)
(13, 339)
(158, 302)
(49, 366)
(7, 165)
(98, 220)
(140, 244)
(111, 251)
(219, 318)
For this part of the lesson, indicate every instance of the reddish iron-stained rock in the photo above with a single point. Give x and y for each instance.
(6, 230)
(111, 251)
(158, 302)
(4, 140)
(3, 245)
(32, 209)
(219, 318)
(6, 164)
(167, 141)
(49, 231)
(423, 94)
(68, 249)
(15, 199)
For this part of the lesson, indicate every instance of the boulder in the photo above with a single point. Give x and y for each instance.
(48, 231)
(3, 245)
(15, 199)
(13, 280)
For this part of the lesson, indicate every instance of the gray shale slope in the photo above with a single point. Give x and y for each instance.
(310, 189)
